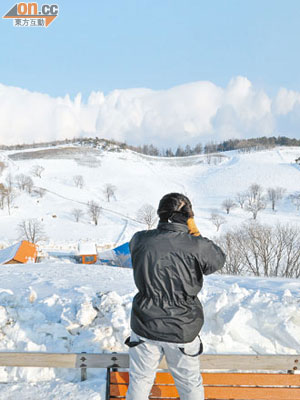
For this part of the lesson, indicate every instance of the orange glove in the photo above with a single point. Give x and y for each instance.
(193, 230)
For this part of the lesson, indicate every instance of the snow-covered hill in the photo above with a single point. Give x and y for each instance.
(139, 179)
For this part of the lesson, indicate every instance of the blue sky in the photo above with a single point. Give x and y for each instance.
(157, 44)
(206, 70)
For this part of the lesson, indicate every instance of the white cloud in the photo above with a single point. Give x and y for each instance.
(245, 112)
(285, 101)
(190, 113)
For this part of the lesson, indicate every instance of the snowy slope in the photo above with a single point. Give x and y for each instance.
(55, 306)
(73, 308)
(140, 179)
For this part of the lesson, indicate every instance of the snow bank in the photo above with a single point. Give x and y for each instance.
(75, 308)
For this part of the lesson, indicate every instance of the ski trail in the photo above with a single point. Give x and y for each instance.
(122, 233)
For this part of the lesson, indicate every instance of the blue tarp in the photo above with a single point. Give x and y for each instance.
(9, 253)
(123, 255)
(119, 256)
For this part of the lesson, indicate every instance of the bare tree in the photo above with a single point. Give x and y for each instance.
(228, 204)
(29, 184)
(147, 215)
(3, 191)
(208, 158)
(20, 181)
(241, 198)
(254, 191)
(109, 191)
(255, 201)
(9, 180)
(274, 195)
(262, 250)
(94, 211)
(37, 170)
(255, 206)
(10, 197)
(78, 180)
(217, 220)
(32, 230)
(295, 199)
(2, 166)
(24, 182)
(234, 260)
(39, 191)
(77, 213)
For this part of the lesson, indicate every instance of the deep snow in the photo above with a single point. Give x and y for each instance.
(74, 308)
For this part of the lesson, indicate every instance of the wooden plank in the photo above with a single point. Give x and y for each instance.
(122, 377)
(156, 391)
(240, 393)
(251, 379)
(118, 390)
(121, 360)
(34, 359)
(169, 391)
(164, 378)
(230, 362)
(246, 362)
(63, 360)
(245, 379)
(101, 360)
(119, 377)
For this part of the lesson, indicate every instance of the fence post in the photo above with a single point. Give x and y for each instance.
(83, 367)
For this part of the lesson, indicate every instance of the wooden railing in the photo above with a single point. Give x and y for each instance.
(287, 363)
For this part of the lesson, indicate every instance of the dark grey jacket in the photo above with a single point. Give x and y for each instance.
(168, 265)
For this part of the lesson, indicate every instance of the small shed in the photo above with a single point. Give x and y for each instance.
(87, 253)
(19, 253)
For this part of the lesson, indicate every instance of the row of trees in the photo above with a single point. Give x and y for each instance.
(211, 147)
(33, 229)
(253, 200)
(243, 145)
(109, 189)
(7, 193)
(146, 214)
(93, 210)
(23, 183)
(262, 250)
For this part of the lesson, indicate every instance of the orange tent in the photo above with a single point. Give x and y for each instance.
(19, 253)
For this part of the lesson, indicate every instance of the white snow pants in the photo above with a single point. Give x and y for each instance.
(145, 358)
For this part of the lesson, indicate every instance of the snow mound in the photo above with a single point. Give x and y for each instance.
(74, 308)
